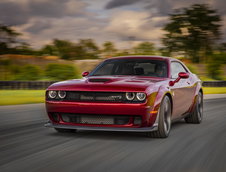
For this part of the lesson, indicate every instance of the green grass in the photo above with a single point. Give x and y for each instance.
(214, 90)
(15, 97)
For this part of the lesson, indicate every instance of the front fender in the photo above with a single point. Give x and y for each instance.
(154, 101)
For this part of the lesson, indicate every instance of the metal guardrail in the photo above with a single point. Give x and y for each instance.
(40, 85)
(214, 84)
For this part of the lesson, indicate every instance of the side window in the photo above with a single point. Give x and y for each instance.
(176, 68)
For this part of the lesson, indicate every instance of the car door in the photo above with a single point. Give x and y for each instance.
(180, 90)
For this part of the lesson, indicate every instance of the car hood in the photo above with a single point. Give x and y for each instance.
(105, 83)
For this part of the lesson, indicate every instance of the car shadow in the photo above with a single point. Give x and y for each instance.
(113, 135)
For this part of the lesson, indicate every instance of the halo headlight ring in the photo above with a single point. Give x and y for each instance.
(130, 96)
(52, 94)
(141, 96)
(62, 94)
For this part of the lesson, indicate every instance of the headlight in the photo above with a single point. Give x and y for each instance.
(141, 96)
(62, 94)
(130, 96)
(52, 94)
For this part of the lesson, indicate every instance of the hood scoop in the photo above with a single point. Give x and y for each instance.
(99, 80)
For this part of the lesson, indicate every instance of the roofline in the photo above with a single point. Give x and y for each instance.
(145, 56)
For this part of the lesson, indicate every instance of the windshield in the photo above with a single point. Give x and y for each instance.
(141, 67)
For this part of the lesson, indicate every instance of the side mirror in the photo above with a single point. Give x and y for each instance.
(181, 75)
(84, 74)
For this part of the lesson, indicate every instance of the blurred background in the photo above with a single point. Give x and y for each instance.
(44, 41)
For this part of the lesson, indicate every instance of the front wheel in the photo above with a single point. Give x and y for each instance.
(195, 117)
(164, 123)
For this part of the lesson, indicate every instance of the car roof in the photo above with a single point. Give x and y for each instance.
(144, 57)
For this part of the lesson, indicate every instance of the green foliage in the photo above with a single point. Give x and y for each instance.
(109, 49)
(88, 49)
(49, 50)
(28, 72)
(193, 30)
(7, 39)
(192, 68)
(123, 53)
(64, 48)
(145, 48)
(214, 67)
(60, 71)
(5, 62)
(24, 49)
(16, 69)
(84, 49)
(222, 57)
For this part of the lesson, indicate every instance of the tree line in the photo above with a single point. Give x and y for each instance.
(193, 33)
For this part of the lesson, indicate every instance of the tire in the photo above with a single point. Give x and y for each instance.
(62, 130)
(196, 116)
(164, 123)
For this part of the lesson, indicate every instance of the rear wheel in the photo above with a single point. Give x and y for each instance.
(195, 117)
(164, 123)
(62, 130)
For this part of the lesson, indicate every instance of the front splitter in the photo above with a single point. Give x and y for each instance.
(141, 129)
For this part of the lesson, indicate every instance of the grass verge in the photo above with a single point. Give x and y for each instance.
(214, 90)
(15, 97)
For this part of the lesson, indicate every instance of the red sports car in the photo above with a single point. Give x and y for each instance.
(133, 93)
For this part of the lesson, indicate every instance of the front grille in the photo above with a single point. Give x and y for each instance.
(95, 119)
(95, 96)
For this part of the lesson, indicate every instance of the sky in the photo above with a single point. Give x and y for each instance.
(125, 22)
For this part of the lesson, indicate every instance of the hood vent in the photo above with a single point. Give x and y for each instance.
(99, 80)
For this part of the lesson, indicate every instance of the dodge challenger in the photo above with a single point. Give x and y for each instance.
(129, 93)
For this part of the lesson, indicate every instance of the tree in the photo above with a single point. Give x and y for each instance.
(145, 48)
(193, 30)
(109, 49)
(49, 50)
(7, 38)
(64, 48)
(88, 49)
(84, 49)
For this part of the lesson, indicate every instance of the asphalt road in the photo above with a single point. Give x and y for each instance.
(25, 145)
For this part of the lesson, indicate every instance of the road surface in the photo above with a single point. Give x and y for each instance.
(25, 145)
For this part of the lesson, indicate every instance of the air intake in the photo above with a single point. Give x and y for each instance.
(99, 80)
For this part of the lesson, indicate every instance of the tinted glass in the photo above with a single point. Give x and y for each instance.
(142, 67)
(176, 68)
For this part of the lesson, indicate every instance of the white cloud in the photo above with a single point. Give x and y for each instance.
(135, 25)
(81, 19)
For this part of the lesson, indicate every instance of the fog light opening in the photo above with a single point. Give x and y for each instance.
(55, 117)
(137, 121)
(65, 118)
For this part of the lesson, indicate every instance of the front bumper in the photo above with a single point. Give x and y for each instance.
(141, 129)
(103, 109)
